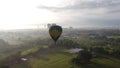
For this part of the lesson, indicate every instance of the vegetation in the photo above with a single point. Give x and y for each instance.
(101, 49)
(28, 51)
(82, 58)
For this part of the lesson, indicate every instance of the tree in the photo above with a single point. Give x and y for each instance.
(65, 43)
(4, 66)
(83, 57)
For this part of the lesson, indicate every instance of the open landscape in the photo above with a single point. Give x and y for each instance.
(35, 48)
(59, 33)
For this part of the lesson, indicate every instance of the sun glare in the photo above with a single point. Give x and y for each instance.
(16, 14)
(53, 3)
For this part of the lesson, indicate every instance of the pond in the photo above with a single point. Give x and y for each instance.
(75, 50)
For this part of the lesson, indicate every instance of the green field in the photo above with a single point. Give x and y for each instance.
(59, 60)
(51, 61)
(103, 63)
(28, 51)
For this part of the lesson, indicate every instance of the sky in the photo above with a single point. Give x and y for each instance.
(20, 14)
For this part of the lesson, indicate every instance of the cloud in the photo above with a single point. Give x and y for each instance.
(84, 4)
(115, 11)
(88, 12)
(76, 22)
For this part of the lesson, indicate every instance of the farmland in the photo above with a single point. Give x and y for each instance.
(39, 51)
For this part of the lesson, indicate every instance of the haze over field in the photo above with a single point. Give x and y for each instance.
(23, 14)
(59, 33)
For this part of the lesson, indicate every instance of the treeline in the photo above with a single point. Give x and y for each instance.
(64, 43)
(103, 45)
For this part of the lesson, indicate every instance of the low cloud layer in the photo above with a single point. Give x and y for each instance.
(88, 12)
(85, 4)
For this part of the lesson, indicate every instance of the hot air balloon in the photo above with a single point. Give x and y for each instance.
(55, 31)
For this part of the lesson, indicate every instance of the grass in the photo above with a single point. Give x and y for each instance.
(54, 61)
(32, 50)
(58, 59)
(28, 51)
(108, 62)
(2, 56)
(103, 62)
(115, 37)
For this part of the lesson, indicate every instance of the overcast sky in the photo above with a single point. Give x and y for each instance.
(76, 13)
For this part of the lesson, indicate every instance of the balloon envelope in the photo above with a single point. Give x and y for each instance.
(55, 32)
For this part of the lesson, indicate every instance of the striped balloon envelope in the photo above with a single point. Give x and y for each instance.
(55, 32)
